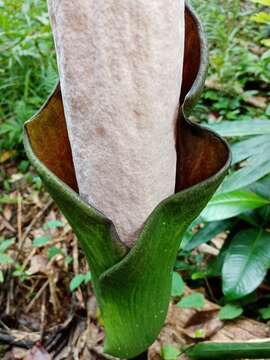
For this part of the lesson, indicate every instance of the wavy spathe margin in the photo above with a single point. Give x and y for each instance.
(133, 285)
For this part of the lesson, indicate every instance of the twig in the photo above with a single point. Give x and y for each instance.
(75, 255)
(53, 296)
(11, 340)
(8, 225)
(207, 249)
(9, 294)
(212, 296)
(19, 218)
(29, 307)
(43, 315)
(31, 225)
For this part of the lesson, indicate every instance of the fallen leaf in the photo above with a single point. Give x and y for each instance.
(6, 155)
(37, 353)
(38, 265)
(203, 324)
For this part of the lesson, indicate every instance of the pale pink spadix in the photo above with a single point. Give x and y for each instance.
(120, 65)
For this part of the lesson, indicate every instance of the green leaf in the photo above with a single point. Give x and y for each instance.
(241, 128)
(5, 259)
(41, 241)
(23, 166)
(246, 263)
(256, 167)
(244, 149)
(265, 313)
(262, 2)
(195, 301)
(87, 277)
(228, 205)
(230, 311)
(178, 285)
(53, 251)
(53, 224)
(6, 199)
(68, 260)
(189, 232)
(261, 18)
(261, 187)
(169, 352)
(207, 233)
(5, 244)
(1, 276)
(266, 42)
(76, 281)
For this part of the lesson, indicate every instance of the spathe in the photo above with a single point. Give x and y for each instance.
(133, 286)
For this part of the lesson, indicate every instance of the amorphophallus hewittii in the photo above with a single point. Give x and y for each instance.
(117, 117)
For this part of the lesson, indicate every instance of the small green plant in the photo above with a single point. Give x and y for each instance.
(5, 259)
(169, 352)
(241, 207)
(263, 17)
(178, 286)
(80, 279)
(230, 312)
(238, 72)
(193, 301)
(28, 67)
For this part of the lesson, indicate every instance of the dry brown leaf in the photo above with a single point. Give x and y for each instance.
(179, 324)
(38, 265)
(37, 353)
(203, 324)
(6, 155)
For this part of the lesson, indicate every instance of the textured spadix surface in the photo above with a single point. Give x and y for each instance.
(120, 65)
(133, 286)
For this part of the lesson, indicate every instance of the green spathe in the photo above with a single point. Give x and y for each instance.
(133, 286)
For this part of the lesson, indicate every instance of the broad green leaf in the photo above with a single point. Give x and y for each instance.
(169, 352)
(5, 244)
(241, 128)
(195, 301)
(230, 311)
(189, 232)
(76, 281)
(207, 233)
(5, 259)
(261, 187)
(214, 266)
(246, 263)
(41, 241)
(265, 313)
(228, 205)
(256, 168)
(178, 285)
(252, 146)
